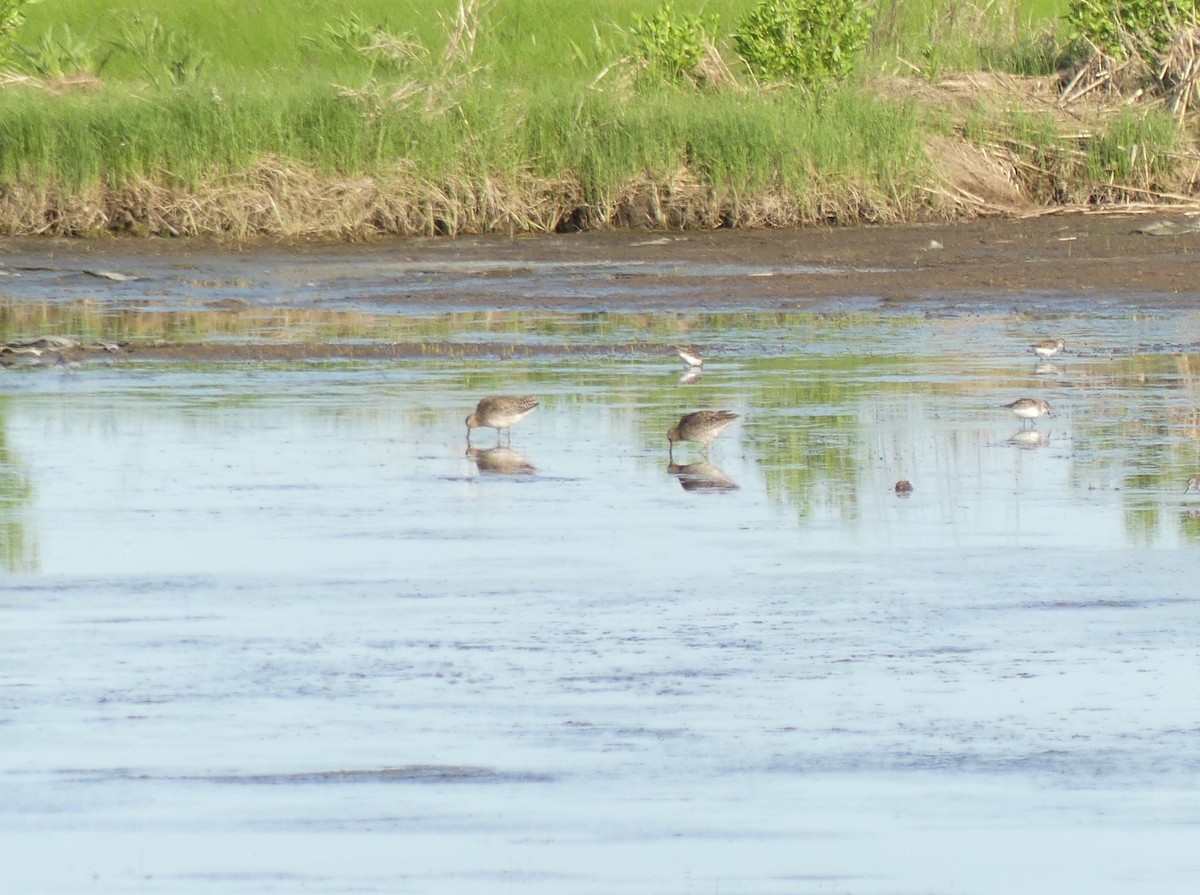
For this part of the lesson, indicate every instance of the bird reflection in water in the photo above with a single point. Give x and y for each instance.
(501, 461)
(1029, 439)
(701, 477)
(690, 376)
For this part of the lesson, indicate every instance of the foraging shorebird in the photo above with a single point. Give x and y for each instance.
(1029, 408)
(1048, 347)
(500, 412)
(690, 357)
(903, 488)
(700, 426)
(1193, 482)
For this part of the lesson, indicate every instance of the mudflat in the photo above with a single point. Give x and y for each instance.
(1054, 256)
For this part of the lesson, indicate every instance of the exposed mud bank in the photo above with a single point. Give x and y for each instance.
(228, 291)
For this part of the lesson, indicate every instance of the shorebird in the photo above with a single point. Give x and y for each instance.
(700, 426)
(1048, 347)
(904, 488)
(1029, 408)
(500, 412)
(690, 357)
(1193, 482)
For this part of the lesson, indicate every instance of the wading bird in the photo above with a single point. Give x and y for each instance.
(500, 412)
(700, 426)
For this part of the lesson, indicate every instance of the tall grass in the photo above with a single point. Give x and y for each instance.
(539, 126)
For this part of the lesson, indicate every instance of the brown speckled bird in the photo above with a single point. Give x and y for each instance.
(500, 412)
(1048, 347)
(1028, 408)
(700, 426)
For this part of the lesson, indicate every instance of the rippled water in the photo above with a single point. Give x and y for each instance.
(272, 627)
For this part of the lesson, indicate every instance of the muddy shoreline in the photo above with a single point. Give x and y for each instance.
(1068, 257)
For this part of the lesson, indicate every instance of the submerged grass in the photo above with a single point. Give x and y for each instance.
(367, 116)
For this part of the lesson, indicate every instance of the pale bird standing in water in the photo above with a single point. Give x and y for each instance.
(700, 426)
(500, 412)
(1192, 484)
(1048, 347)
(690, 357)
(1029, 408)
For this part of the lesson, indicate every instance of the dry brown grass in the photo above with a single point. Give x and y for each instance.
(282, 200)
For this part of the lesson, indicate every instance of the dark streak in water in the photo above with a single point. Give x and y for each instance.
(405, 774)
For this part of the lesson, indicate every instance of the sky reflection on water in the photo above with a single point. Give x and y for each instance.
(224, 584)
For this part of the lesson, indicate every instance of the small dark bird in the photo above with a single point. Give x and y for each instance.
(904, 488)
(500, 412)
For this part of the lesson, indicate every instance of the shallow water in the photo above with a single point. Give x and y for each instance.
(271, 627)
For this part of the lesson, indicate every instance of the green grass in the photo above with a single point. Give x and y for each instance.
(548, 39)
(190, 95)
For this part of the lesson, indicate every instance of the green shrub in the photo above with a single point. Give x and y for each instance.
(11, 18)
(1113, 26)
(804, 41)
(672, 46)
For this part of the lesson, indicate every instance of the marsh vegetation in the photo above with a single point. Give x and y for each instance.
(352, 119)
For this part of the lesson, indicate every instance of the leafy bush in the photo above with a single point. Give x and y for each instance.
(804, 41)
(1115, 26)
(11, 18)
(672, 46)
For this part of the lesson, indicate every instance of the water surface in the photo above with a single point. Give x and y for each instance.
(273, 627)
